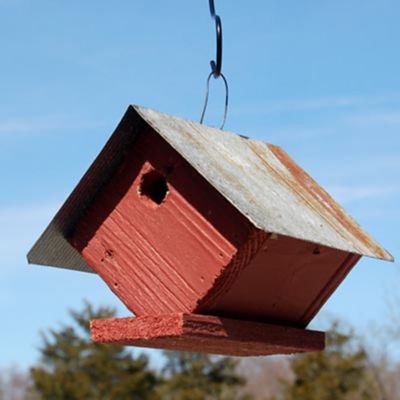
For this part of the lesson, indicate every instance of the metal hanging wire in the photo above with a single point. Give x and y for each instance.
(216, 66)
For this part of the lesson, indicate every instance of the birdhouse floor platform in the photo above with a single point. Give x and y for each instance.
(207, 334)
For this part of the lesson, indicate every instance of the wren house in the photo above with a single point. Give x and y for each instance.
(215, 242)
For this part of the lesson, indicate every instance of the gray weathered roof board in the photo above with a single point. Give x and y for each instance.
(259, 179)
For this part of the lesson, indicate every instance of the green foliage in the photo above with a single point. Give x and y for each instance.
(194, 376)
(75, 368)
(338, 373)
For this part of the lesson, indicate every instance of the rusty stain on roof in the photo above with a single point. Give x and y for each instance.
(259, 179)
(265, 184)
(323, 203)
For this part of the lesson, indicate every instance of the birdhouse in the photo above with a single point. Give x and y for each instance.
(215, 242)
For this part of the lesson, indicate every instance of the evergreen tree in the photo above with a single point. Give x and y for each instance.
(338, 373)
(195, 376)
(75, 368)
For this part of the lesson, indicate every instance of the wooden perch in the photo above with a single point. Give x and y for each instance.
(208, 334)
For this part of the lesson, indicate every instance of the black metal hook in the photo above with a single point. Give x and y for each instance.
(216, 66)
(212, 8)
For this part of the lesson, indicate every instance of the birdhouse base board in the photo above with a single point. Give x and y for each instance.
(206, 334)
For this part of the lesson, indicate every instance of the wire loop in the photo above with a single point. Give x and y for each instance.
(207, 95)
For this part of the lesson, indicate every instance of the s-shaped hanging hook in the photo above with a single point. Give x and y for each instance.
(216, 66)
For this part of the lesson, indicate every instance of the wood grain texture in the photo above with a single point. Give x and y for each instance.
(258, 179)
(286, 282)
(265, 184)
(207, 334)
(194, 252)
(53, 248)
(161, 258)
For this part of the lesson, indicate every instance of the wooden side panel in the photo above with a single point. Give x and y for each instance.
(287, 282)
(158, 233)
(207, 334)
(165, 241)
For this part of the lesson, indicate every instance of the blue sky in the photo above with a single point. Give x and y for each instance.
(321, 79)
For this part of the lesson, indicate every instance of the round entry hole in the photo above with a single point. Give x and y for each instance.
(154, 186)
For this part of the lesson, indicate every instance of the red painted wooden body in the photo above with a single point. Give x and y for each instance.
(166, 241)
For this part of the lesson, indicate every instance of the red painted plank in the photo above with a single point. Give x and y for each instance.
(287, 282)
(207, 334)
(165, 241)
(162, 258)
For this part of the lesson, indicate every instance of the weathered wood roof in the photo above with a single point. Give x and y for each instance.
(259, 179)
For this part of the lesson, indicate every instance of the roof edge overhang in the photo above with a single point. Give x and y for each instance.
(371, 248)
(53, 249)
